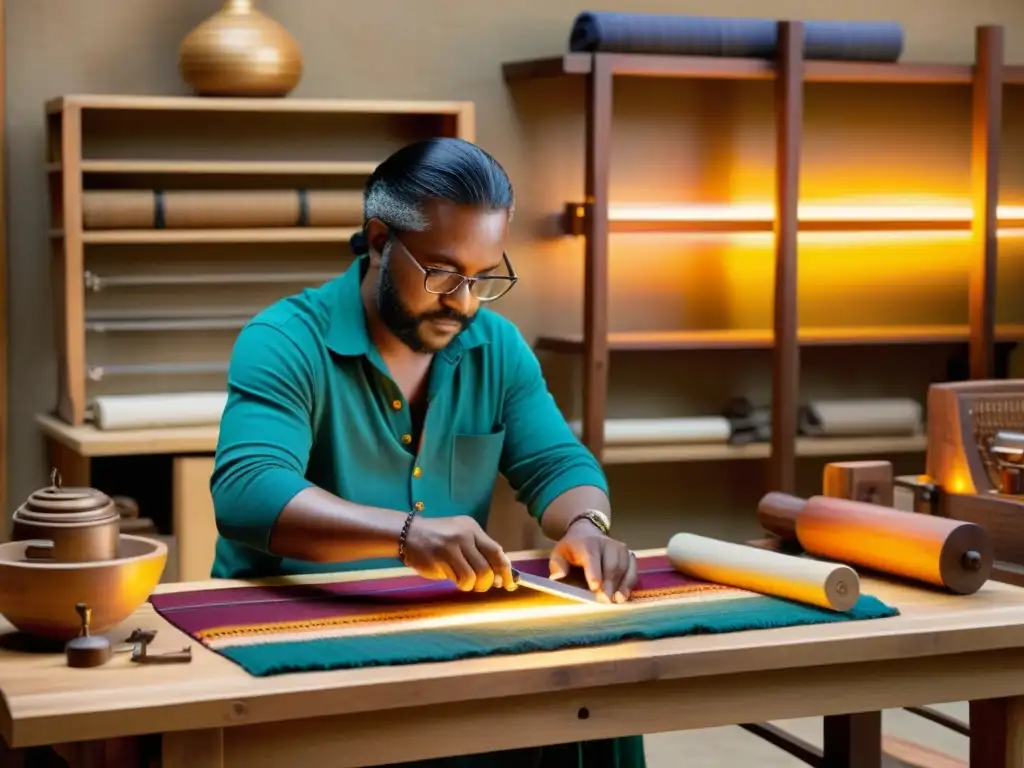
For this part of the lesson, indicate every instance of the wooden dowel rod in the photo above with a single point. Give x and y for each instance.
(786, 352)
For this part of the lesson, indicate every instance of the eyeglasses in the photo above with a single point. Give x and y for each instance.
(444, 281)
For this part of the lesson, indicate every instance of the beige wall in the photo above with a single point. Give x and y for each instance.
(713, 144)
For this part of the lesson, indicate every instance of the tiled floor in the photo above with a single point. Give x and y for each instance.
(735, 748)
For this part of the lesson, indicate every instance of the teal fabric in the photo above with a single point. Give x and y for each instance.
(310, 403)
(572, 631)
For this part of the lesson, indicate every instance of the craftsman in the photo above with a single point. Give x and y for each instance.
(367, 419)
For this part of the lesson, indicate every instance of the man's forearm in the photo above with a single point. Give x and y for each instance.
(320, 527)
(559, 513)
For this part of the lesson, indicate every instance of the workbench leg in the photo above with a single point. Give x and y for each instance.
(853, 741)
(193, 749)
(997, 733)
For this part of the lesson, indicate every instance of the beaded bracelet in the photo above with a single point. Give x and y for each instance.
(403, 535)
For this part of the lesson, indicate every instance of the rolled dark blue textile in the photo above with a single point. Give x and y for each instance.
(681, 35)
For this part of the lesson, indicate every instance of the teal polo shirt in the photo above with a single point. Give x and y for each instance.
(310, 402)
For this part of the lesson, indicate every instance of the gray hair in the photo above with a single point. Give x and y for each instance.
(398, 211)
(435, 169)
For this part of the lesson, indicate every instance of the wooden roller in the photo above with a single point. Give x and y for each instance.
(826, 585)
(935, 550)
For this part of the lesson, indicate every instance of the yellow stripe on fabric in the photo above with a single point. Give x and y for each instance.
(229, 635)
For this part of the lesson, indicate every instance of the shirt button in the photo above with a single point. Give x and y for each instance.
(418, 506)
(396, 404)
(416, 472)
(406, 439)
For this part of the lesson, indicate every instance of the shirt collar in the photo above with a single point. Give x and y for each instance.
(348, 335)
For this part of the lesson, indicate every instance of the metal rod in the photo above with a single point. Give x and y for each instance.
(98, 282)
(183, 324)
(170, 313)
(100, 372)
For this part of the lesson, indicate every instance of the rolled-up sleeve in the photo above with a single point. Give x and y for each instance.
(541, 458)
(265, 434)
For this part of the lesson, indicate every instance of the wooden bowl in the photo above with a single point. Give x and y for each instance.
(39, 597)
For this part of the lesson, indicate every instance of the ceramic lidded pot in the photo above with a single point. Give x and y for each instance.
(68, 525)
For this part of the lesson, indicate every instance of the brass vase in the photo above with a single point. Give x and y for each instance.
(240, 51)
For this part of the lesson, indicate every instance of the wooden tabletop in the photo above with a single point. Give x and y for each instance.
(42, 696)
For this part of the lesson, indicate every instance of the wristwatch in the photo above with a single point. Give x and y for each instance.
(595, 516)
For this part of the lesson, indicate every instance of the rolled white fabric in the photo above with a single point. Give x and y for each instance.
(882, 416)
(185, 409)
(698, 429)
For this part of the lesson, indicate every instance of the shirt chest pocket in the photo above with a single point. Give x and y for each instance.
(474, 470)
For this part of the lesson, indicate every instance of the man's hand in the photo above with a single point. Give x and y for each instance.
(457, 548)
(608, 565)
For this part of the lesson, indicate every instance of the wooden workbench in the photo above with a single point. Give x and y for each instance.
(212, 713)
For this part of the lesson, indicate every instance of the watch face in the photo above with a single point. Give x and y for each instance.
(600, 519)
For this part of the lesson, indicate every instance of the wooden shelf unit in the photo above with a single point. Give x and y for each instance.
(154, 142)
(595, 220)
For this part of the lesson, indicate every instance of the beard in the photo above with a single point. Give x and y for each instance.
(403, 323)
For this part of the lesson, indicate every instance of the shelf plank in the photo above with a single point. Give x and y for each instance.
(253, 235)
(88, 441)
(1013, 75)
(225, 167)
(553, 66)
(900, 73)
(262, 105)
(720, 68)
(696, 67)
(805, 447)
(664, 341)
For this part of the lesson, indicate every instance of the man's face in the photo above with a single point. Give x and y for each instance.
(468, 241)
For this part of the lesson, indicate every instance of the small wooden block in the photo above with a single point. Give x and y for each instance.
(867, 481)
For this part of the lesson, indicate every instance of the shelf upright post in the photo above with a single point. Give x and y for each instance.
(595, 296)
(68, 264)
(789, 79)
(986, 129)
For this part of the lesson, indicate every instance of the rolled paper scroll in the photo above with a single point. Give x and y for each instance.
(802, 580)
(881, 416)
(697, 429)
(200, 209)
(934, 550)
(185, 409)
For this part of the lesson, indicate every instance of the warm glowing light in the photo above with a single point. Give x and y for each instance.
(862, 237)
(487, 615)
(806, 212)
